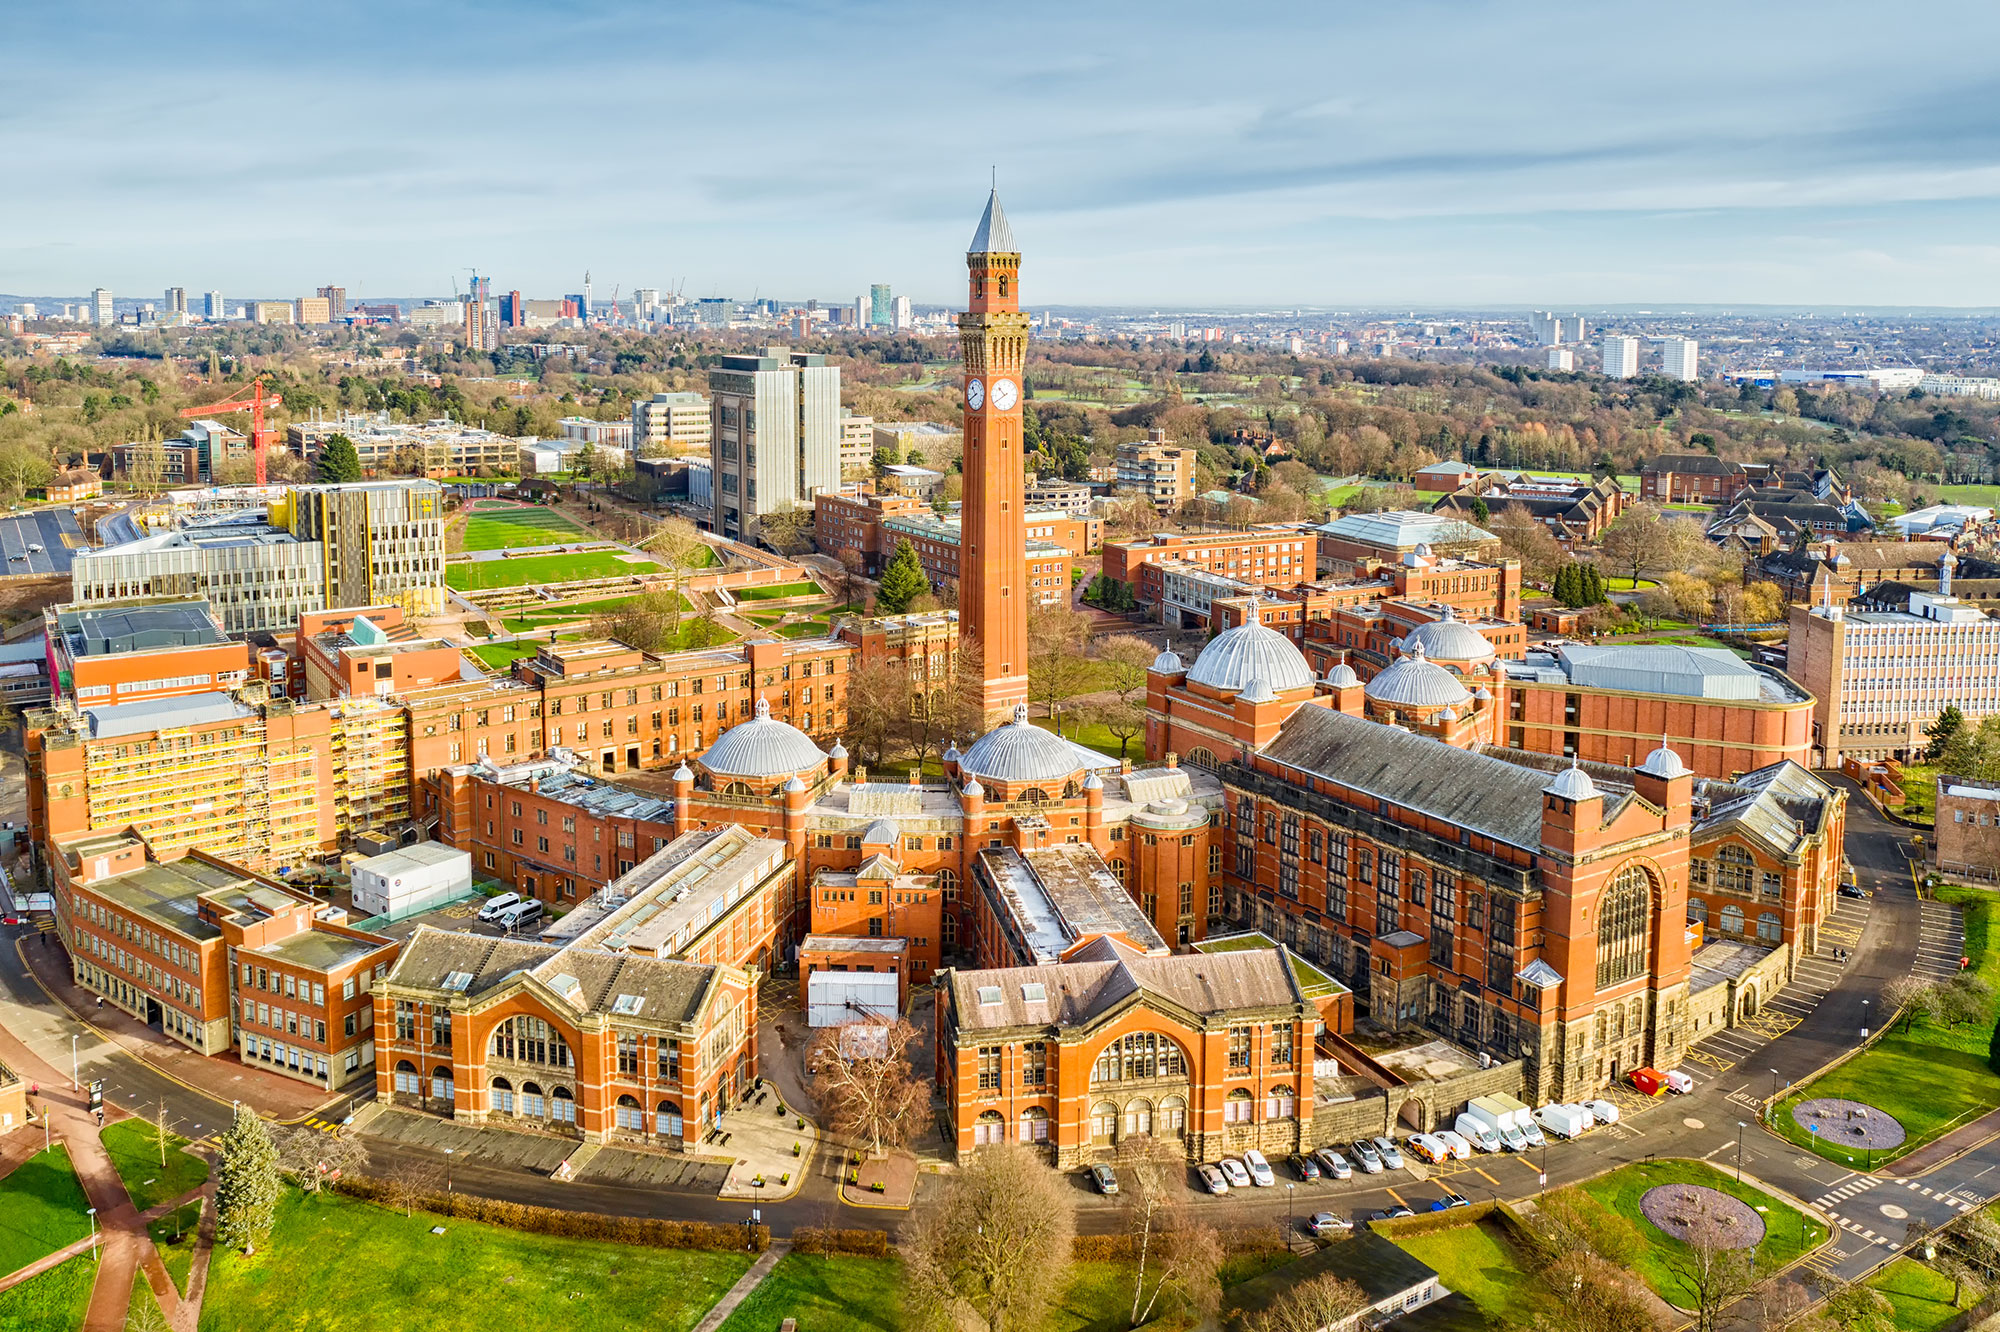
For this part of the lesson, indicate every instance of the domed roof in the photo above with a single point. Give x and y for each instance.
(1664, 763)
(1572, 783)
(793, 785)
(1413, 682)
(1252, 650)
(839, 751)
(1168, 662)
(878, 832)
(1258, 691)
(762, 747)
(1019, 751)
(1341, 676)
(1450, 639)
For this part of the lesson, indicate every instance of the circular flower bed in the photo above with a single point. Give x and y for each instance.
(1692, 1214)
(1844, 1123)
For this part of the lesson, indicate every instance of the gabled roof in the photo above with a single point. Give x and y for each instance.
(1104, 976)
(1702, 464)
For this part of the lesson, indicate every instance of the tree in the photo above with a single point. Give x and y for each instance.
(1598, 1296)
(144, 1313)
(1058, 667)
(247, 1183)
(1713, 1271)
(877, 701)
(863, 1081)
(847, 583)
(1311, 1306)
(337, 460)
(650, 621)
(1942, 732)
(1637, 541)
(1481, 512)
(1524, 538)
(314, 1159)
(1964, 998)
(1908, 998)
(787, 529)
(413, 1184)
(994, 1251)
(902, 582)
(1177, 1258)
(146, 464)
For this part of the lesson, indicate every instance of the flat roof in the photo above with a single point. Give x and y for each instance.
(318, 950)
(422, 855)
(157, 714)
(169, 895)
(1689, 672)
(105, 631)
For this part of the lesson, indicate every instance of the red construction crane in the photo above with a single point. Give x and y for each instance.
(260, 435)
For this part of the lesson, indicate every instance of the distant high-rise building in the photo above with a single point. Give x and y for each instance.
(479, 336)
(27, 310)
(102, 313)
(1561, 358)
(860, 311)
(1621, 357)
(336, 303)
(881, 306)
(312, 310)
(1678, 357)
(175, 301)
(646, 301)
(775, 423)
(513, 311)
(1552, 330)
(901, 316)
(579, 304)
(211, 306)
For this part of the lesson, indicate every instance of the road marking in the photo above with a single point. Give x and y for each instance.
(1483, 1175)
(1393, 1194)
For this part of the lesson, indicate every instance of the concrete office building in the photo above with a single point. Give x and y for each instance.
(1156, 472)
(1678, 358)
(102, 312)
(1621, 357)
(212, 307)
(1552, 330)
(671, 423)
(857, 443)
(1561, 358)
(447, 447)
(174, 301)
(776, 430)
(271, 312)
(382, 542)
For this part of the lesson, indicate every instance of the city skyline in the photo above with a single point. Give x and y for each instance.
(1740, 162)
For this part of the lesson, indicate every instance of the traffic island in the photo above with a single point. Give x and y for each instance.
(888, 1182)
(1839, 1122)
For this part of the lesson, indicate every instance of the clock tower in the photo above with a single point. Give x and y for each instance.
(993, 588)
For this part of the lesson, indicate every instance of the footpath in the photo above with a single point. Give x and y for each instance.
(746, 1283)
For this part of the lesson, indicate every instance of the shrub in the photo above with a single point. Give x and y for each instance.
(833, 1240)
(643, 1231)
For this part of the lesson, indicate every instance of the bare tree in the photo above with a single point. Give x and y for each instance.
(1528, 541)
(994, 1251)
(144, 1313)
(847, 583)
(314, 1159)
(787, 529)
(1311, 1306)
(411, 1185)
(862, 1079)
(1599, 1296)
(1964, 998)
(1177, 1258)
(1909, 999)
(1714, 1271)
(1058, 669)
(1637, 541)
(877, 702)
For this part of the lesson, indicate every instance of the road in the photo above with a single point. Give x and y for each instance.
(1892, 933)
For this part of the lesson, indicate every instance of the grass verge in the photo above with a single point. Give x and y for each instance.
(1482, 1263)
(135, 1155)
(42, 1208)
(544, 569)
(778, 592)
(824, 1294)
(174, 1235)
(55, 1301)
(1920, 1297)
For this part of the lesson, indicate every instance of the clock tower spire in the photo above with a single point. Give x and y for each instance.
(994, 588)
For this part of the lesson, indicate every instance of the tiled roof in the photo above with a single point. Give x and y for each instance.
(1103, 976)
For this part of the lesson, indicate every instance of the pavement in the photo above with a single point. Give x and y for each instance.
(54, 530)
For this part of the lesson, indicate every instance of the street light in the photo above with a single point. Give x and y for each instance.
(74, 1085)
(1291, 1213)
(447, 1170)
(1740, 1126)
(1864, 1019)
(91, 1212)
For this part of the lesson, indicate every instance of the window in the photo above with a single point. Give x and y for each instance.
(1142, 1054)
(670, 1061)
(628, 1055)
(1281, 1042)
(1622, 916)
(1278, 1103)
(406, 1078)
(1035, 1064)
(406, 1020)
(1034, 1124)
(1732, 919)
(1769, 928)
(630, 1114)
(562, 1106)
(989, 1067)
(989, 1128)
(1733, 870)
(530, 1040)
(1239, 1108)
(1239, 1047)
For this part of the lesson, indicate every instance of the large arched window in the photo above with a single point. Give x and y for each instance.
(989, 1127)
(1034, 795)
(1203, 759)
(1143, 1054)
(1769, 928)
(503, 1096)
(1732, 919)
(1622, 917)
(1735, 871)
(530, 1040)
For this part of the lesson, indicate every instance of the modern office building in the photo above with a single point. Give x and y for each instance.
(271, 312)
(174, 301)
(440, 447)
(1621, 357)
(382, 542)
(881, 306)
(336, 301)
(212, 307)
(1156, 471)
(671, 423)
(857, 444)
(102, 311)
(1679, 357)
(312, 310)
(776, 434)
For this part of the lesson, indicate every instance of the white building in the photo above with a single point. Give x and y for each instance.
(776, 429)
(1678, 357)
(1959, 386)
(1621, 357)
(102, 313)
(411, 879)
(1562, 358)
(671, 423)
(1949, 517)
(900, 314)
(1886, 379)
(583, 430)
(212, 307)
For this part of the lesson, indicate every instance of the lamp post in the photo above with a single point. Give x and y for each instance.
(1864, 1019)
(447, 1170)
(74, 1085)
(1771, 1114)
(1740, 1126)
(91, 1212)
(1291, 1213)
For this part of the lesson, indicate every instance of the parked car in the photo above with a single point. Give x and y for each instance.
(1305, 1168)
(495, 906)
(1212, 1179)
(1259, 1168)
(1367, 1157)
(1460, 1149)
(1853, 890)
(1328, 1223)
(1391, 1157)
(1105, 1178)
(1450, 1200)
(1333, 1164)
(1478, 1132)
(1390, 1213)
(1233, 1171)
(1428, 1148)
(1602, 1111)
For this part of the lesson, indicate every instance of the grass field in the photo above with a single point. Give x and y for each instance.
(538, 569)
(498, 656)
(1987, 495)
(1787, 1233)
(1932, 1078)
(136, 1157)
(1093, 735)
(174, 1234)
(359, 1268)
(1481, 1263)
(824, 1294)
(530, 525)
(1919, 783)
(55, 1301)
(42, 1208)
(1920, 1297)
(778, 592)
(1627, 585)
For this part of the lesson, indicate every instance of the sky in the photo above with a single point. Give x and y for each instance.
(1152, 155)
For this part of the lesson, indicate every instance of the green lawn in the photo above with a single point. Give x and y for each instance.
(540, 617)
(1093, 735)
(174, 1233)
(1919, 783)
(1627, 585)
(1480, 1262)
(141, 1297)
(1920, 1297)
(358, 1268)
(136, 1156)
(42, 1208)
(496, 529)
(539, 569)
(55, 1301)
(498, 656)
(778, 592)
(1931, 1078)
(825, 1295)
(1787, 1233)
(1987, 495)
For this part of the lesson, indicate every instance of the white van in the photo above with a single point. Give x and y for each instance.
(1477, 1132)
(519, 916)
(498, 904)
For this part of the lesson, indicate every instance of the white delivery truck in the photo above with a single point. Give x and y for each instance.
(1563, 1121)
(1499, 1116)
(1476, 1131)
(1523, 1120)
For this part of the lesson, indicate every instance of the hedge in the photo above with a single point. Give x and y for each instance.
(1125, 1248)
(643, 1231)
(1423, 1223)
(832, 1240)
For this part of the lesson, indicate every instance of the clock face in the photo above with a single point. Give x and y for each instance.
(975, 393)
(1003, 394)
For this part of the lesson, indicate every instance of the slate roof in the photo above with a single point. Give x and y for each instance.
(1471, 790)
(673, 991)
(1102, 975)
(1694, 464)
(994, 235)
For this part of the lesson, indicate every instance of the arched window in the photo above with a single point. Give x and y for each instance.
(531, 1100)
(1143, 1054)
(1103, 1122)
(530, 1040)
(562, 1106)
(1622, 916)
(1769, 928)
(1239, 1107)
(947, 883)
(1172, 1117)
(1138, 1117)
(1278, 1103)
(667, 1119)
(1697, 911)
(1732, 919)
(503, 1096)
(1034, 795)
(407, 1079)
(441, 1083)
(1203, 759)
(1071, 791)
(1034, 1124)
(1735, 871)
(630, 1114)
(989, 1127)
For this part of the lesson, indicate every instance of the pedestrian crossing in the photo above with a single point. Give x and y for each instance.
(323, 1125)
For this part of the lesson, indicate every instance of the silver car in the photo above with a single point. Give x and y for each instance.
(1391, 1157)
(1367, 1157)
(1333, 1164)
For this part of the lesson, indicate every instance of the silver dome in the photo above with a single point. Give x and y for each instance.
(1258, 691)
(1341, 676)
(1572, 783)
(762, 747)
(1019, 751)
(1664, 763)
(879, 832)
(1449, 640)
(1413, 682)
(1250, 651)
(1168, 662)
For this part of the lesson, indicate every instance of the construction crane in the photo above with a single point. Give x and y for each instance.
(260, 435)
(614, 301)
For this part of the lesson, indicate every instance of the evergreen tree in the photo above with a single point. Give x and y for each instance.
(1593, 585)
(1565, 585)
(248, 1182)
(902, 582)
(1480, 511)
(1942, 732)
(337, 460)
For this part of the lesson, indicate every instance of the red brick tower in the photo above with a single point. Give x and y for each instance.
(993, 588)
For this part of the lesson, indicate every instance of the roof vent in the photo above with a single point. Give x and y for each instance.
(1034, 993)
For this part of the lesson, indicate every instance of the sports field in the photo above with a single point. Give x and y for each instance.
(519, 525)
(543, 569)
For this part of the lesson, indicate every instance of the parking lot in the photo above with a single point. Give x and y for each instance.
(53, 530)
